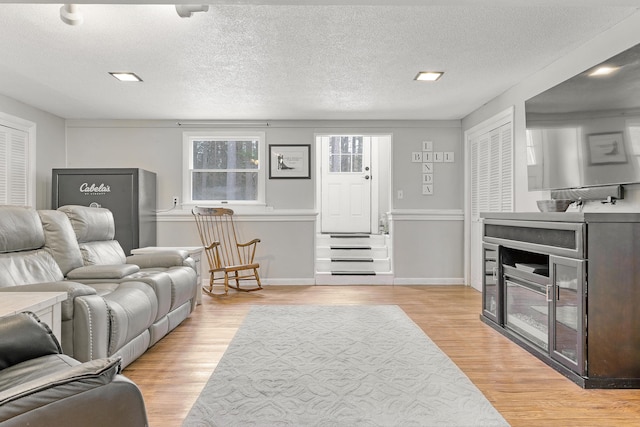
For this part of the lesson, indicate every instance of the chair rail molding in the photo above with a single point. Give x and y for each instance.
(427, 215)
(293, 215)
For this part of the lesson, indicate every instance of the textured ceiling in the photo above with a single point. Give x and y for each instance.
(269, 60)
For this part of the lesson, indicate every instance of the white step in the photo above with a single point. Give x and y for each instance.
(373, 240)
(376, 253)
(352, 264)
(331, 279)
(352, 258)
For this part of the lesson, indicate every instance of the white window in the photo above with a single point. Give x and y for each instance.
(223, 167)
(17, 159)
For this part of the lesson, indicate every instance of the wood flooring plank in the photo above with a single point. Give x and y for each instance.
(527, 392)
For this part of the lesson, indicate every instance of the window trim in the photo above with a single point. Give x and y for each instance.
(188, 137)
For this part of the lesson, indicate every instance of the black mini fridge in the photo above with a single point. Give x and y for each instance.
(129, 193)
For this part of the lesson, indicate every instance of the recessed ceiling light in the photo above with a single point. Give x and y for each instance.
(429, 76)
(603, 71)
(126, 77)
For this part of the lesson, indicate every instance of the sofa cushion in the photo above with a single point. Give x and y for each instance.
(60, 240)
(102, 253)
(20, 229)
(19, 268)
(90, 224)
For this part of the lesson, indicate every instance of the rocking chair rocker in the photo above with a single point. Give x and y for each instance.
(227, 258)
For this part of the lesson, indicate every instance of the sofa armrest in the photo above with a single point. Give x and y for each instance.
(24, 337)
(57, 386)
(166, 259)
(102, 271)
(90, 331)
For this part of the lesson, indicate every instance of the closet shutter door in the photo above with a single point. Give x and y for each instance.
(506, 168)
(4, 166)
(491, 185)
(492, 172)
(14, 157)
(475, 209)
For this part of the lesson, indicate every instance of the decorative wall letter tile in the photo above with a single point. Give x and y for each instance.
(416, 156)
(449, 157)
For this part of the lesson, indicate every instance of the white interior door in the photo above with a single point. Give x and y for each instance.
(346, 184)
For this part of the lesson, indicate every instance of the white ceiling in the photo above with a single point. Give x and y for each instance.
(271, 60)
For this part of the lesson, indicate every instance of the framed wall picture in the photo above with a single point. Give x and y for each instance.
(606, 148)
(289, 161)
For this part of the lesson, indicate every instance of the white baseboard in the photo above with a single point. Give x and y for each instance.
(378, 279)
(292, 282)
(429, 281)
(329, 279)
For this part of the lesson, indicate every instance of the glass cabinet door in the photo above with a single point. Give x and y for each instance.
(491, 293)
(567, 319)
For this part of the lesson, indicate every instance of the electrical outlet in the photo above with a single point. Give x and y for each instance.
(176, 200)
(400, 194)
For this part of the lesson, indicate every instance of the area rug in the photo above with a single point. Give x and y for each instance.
(340, 365)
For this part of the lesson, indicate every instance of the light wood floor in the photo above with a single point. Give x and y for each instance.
(524, 390)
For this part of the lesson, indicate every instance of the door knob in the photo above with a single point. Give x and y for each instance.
(366, 177)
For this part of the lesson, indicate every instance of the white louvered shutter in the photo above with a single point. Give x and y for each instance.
(14, 170)
(506, 168)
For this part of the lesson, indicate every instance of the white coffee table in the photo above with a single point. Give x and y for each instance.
(46, 305)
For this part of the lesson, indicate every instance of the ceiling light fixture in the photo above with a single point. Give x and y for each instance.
(428, 76)
(126, 76)
(186, 10)
(70, 14)
(603, 71)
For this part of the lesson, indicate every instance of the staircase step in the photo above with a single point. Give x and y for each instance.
(375, 253)
(352, 239)
(353, 258)
(353, 273)
(349, 248)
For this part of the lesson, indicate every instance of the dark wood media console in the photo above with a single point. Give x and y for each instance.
(566, 287)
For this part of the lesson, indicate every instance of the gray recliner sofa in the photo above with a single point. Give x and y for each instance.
(40, 387)
(94, 257)
(113, 308)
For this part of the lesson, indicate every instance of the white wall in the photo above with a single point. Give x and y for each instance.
(288, 232)
(604, 46)
(50, 144)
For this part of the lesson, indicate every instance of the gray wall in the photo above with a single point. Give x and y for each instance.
(288, 232)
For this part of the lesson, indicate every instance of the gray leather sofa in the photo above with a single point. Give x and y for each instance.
(41, 387)
(113, 308)
(171, 274)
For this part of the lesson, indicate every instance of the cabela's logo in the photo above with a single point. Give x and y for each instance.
(94, 189)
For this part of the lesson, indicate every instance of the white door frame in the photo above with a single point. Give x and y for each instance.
(375, 166)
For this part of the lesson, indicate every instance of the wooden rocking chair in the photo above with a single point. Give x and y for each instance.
(227, 258)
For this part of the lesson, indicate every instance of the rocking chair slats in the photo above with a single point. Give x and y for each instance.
(227, 258)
